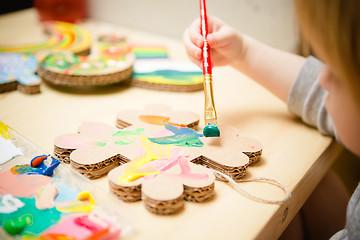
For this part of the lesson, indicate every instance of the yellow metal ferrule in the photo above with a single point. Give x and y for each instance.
(210, 112)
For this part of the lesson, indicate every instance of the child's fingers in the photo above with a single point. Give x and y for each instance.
(195, 34)
(220, 38)
(216, 59)
(191, 49)
(193, 52)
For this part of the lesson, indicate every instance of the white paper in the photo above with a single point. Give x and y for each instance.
(8, 150)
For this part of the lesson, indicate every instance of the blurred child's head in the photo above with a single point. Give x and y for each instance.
(332, 29)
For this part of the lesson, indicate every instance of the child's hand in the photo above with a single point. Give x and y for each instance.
(225, 43)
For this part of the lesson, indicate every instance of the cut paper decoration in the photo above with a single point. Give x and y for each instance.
(96, 143)
(97, 148)
(132, 184)
(63, 36)
(109, 62)
(168, 75)
(154, 70)
(8, 150)
(240, 152)
(93, 152)
(17, 72)
(162, 183)
(153, 116)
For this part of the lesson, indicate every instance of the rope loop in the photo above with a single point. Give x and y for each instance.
(274, 182)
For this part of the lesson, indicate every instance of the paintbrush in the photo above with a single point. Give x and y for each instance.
(211, 129)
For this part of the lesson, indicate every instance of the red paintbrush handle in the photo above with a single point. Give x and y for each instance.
(206, 62)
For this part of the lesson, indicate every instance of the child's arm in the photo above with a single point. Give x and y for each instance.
(274, 69)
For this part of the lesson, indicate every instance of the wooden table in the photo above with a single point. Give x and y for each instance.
(294, 154)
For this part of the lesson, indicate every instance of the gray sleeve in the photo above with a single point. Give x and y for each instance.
(306, 98)
(352, 227)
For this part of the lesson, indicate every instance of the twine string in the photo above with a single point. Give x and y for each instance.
(274, 182)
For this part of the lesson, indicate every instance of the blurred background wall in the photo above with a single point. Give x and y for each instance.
(270, 21)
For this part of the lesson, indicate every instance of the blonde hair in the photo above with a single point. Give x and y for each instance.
(332, 27)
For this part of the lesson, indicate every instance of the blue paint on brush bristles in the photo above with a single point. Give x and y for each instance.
(211, 130)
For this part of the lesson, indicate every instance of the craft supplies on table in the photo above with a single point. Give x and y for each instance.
(80, 209)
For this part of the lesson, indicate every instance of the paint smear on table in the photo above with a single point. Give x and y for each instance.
(4, 130)
(42, 219)
(22, 185)
(89, 227)
(65, 193)
(44, 199)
